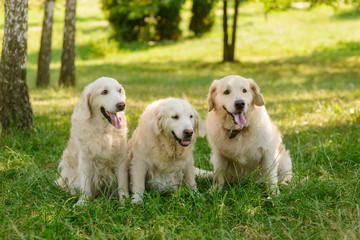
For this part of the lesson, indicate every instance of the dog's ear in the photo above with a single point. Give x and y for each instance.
(156, 123)
(83, 108)
(199, 125)
(211, 95)
(258, 97)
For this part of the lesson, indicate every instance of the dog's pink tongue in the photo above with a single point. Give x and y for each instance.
(185, 142)
(240, 119)
(115, 120)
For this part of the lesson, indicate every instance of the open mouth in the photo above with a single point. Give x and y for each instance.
(238, 117)
(182, 142)
(112, 118)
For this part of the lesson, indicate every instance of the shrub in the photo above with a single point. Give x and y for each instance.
(143, 20)
(168, 19)
(203, 16)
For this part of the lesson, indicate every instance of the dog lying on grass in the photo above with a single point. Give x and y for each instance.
(161, 147)
(96, 155)
(241, 135)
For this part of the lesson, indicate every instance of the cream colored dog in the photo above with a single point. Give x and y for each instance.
(161, 147)
(96, 155)
(241, 135)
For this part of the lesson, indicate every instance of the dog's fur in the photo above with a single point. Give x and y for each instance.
(96, 155)
(161, 155)
(241, 135)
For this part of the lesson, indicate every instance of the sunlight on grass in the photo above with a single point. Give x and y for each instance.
(306, 63)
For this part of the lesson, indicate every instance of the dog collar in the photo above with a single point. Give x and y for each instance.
(234, 133)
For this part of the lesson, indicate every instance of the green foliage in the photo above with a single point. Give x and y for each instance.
(203, 16)
(355, 4)
(144, 19)
(168, 19)
(276, 5)
(128, 18)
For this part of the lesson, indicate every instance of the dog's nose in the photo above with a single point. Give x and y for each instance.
(188, 133)
(120, 106)
(239, 104)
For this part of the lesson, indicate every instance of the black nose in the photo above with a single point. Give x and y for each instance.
(239, 105)
(120, 106)
(188, 133)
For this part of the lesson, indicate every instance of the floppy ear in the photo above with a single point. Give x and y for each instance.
(258, 97)
(83, 108)
(199, 125)
(156, 123)
(211, 95)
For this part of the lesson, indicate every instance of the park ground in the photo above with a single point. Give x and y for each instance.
(307, 63)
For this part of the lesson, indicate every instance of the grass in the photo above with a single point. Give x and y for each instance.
(307, 65)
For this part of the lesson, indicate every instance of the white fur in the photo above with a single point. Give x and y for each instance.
(95, 156)
(156, 158)
(257, 145)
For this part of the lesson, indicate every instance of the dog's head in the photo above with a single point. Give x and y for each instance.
(234, 95)
(103, 98)
(178, 120)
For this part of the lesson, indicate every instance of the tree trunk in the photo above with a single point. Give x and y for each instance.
(67, 72)
(15, 107)
(229, 48)
(43, 73)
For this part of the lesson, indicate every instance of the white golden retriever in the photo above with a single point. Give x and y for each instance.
(96, 155)
(161, 147)
(241, 135)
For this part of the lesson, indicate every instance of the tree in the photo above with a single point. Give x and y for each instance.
(15, 107)
(229, 47)
(67, 72)
(43, 73)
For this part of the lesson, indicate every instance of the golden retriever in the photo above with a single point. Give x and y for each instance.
(161, 147)
(96, 155)
(241, 135)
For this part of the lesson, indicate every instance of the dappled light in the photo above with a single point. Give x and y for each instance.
(307, 65)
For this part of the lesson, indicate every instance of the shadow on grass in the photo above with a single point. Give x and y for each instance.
(347, 15)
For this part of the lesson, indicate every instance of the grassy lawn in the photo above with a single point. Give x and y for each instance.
(307, 64)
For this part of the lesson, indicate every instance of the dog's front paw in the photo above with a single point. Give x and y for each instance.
(137, 199)
(81, 202)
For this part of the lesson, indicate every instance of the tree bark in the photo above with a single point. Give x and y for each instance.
(15, 107)
(43, 73)
(229, 48)
(67, 72)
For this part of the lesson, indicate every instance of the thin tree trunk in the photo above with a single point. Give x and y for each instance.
(225, 30)
(15, 107)
(67, 72)
(233, 36)
(43, 73)
(229, 48)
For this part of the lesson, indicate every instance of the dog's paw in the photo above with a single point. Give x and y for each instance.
(81, 202)
(137, 199)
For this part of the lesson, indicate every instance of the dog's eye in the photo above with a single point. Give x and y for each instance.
(244, 90)
(120, 90)
(104, 92)
(191, 116)
(227, 92)
(176, 117)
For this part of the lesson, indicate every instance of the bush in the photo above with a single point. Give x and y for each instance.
(168, 19)
(143, 20)
(128, 18)
(203, 16)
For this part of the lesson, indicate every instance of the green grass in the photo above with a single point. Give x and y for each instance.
(308, 66)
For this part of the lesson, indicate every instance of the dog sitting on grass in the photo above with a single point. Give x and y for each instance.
(161, 148)
(96, 155)
(241, 134)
